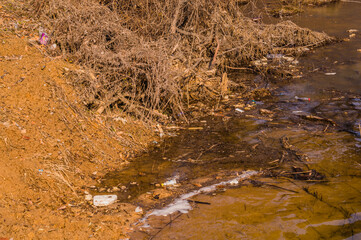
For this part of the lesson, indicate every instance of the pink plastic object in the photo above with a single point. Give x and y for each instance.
(44, 39)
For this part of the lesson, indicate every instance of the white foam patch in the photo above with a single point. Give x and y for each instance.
(182, 205)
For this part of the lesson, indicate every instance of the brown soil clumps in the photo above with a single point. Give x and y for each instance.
(50, 146)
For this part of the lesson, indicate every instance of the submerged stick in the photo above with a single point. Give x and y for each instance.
(169, 223)
(199, 202)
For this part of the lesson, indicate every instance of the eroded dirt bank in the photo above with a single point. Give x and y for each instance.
(54, 150)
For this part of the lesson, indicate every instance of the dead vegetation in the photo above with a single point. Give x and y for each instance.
(146, 57)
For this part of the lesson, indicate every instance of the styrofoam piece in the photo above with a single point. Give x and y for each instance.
(104, 200)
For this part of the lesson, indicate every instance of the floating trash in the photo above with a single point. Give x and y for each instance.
(171, 182)
(182, 205)
(303, 98)
(273, 56)
(330, 74)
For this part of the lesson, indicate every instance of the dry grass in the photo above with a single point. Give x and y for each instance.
(142, 53)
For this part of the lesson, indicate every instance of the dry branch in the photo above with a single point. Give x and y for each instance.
(142, 51)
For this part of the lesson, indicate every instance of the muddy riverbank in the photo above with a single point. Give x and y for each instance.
(315, 119)
(291, 120)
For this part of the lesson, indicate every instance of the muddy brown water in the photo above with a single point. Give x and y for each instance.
(220, 147)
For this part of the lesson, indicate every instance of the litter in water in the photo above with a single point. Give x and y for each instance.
(182, 205)
(239, 110)
(303, 98)
(171, 182)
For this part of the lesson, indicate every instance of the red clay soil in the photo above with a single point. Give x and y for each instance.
(51, 146)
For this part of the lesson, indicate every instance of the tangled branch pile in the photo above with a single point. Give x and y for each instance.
(142, 52)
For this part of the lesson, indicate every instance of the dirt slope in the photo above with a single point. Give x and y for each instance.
(50, 146)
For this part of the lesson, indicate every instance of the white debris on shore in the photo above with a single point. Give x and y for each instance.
(182, 205)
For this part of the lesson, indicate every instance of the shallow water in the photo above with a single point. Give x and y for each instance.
(330, 210)
(341, 58)
(293, 209)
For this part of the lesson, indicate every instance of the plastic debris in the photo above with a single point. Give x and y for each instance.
(272, 56)
(233, 182)
(104, 200)
(44, 39)
(303, 98)
(298, 112)
(138, 210)
(239, 110)
(330, 74)
(170, 182)
(182, 205)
